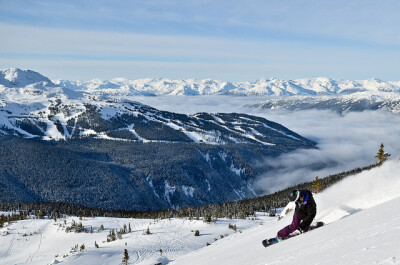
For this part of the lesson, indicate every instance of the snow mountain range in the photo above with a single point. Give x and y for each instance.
(261, 87)
(301, 94)
(116, 153)
(359, 101)
(33, 106)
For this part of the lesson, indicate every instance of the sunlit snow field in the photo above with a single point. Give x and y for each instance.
(46, 241)
(361, 213)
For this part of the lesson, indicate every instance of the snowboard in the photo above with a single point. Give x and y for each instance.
(272, 241)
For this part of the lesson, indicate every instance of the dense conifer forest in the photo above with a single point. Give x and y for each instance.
(235, 209)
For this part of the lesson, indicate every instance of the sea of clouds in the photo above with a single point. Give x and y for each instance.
(345, 141)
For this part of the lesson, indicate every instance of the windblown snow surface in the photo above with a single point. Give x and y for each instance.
(362, 214)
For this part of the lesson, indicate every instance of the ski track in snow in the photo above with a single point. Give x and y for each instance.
(10, 247)
(40, 243)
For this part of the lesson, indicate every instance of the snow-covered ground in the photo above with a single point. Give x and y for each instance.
(46, 242)
(362, 216)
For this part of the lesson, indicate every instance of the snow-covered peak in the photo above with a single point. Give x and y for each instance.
(74, 85)
(374, 84)
(320, 85)
(15, 77)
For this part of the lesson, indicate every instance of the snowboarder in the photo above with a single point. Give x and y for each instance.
(305, 211)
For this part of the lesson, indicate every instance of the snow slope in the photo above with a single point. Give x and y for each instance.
(363, 227)
(362, 215)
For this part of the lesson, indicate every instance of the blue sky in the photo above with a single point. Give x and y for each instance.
(226, 40)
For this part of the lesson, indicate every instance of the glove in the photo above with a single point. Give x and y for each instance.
(299, 230)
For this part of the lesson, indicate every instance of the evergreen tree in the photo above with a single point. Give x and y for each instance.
(41, 214)
(207, 219)
(111, 236)
(2, 220)
(381, 155)
(317, 186)
(125, 259)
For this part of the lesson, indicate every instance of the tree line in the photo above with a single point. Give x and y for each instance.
(236, 209)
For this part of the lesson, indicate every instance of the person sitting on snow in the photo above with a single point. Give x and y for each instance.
(305, 211)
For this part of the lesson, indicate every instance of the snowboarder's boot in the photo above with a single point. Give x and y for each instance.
(317, 225)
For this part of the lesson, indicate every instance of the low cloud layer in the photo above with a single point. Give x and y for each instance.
(344, 141)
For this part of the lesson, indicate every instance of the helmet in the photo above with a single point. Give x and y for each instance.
(294, 195)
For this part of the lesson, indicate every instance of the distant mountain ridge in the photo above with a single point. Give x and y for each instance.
(356, 102)
(15, 77)
(261, 87)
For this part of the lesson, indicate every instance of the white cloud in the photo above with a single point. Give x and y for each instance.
(84, 54)
(344, 142)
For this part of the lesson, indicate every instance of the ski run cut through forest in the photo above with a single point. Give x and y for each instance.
(361, 213)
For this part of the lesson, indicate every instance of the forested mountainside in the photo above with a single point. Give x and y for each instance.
(130, 175)
(233, 209)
